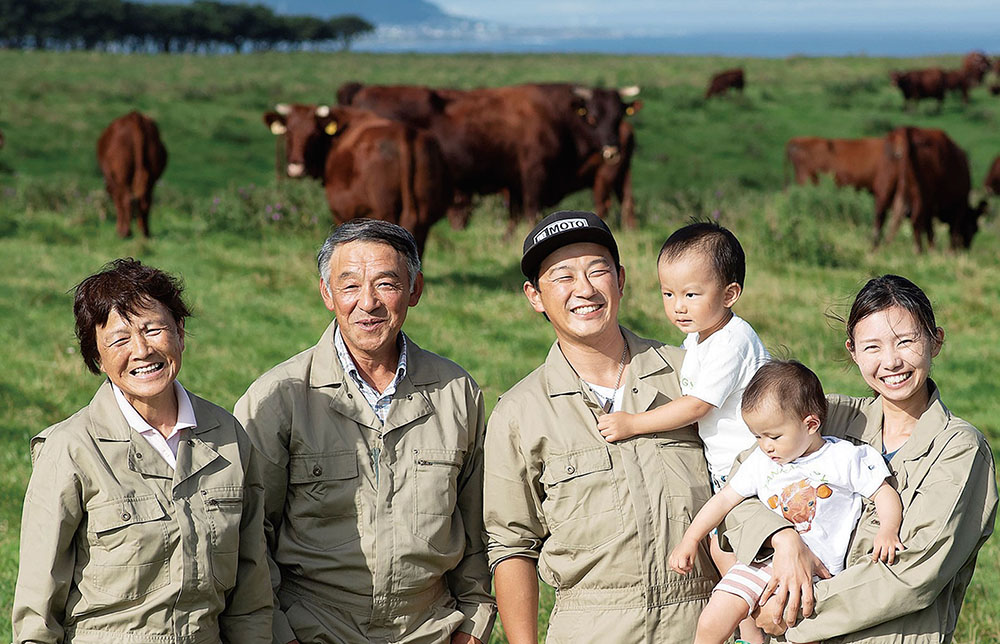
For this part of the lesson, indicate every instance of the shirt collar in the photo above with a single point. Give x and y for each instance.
(185, 412)
(347, 362)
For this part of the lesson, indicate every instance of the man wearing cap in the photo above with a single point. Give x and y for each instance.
(595, 520)
(372, 464)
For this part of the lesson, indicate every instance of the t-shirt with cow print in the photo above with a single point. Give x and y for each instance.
(821, 493)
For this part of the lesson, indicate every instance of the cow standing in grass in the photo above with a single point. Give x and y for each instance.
(536, 143)
(932, 181)
(370, 166)
(132, 158)
(724, 81)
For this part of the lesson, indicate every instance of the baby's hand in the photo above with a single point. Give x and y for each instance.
(681, 558)
(616, 426)
(887, 543)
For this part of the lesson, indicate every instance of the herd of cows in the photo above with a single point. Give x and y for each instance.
(414, 154)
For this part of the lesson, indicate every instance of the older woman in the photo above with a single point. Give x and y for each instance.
(143, 516)
(943, 470)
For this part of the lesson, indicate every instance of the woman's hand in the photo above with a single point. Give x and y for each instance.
(791, 584)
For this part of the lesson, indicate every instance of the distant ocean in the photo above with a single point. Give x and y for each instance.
(899, 43)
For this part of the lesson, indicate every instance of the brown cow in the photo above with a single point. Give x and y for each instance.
(529, 141)
(992, 180)
(723, 81)
(975, 65)
(1, 138)
(932, 181)
(373, 166)
(132, 158)
(919, 84)
(958, 80)
(852, 162)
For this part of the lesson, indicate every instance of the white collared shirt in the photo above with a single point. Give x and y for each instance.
(165, 447)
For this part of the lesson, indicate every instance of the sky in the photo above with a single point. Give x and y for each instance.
(690, 16)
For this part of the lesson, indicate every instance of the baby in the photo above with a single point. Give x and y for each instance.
(815, 482)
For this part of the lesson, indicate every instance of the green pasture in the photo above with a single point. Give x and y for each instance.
(244, 244)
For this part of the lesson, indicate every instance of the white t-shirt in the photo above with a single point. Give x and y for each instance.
(717, 371)
(819, 493)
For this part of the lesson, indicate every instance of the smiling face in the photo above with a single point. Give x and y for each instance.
(142, 355)
(893, 353)
(781, 434)
(369, 292)
(579, 290)
(694, 298)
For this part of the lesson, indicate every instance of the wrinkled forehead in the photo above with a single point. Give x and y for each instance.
(367, 257)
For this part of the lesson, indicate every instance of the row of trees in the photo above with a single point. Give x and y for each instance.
(203, 25)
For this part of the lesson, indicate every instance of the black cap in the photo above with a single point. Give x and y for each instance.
(560, 229)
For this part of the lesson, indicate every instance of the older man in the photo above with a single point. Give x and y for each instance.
(372, 465)
(596, 520)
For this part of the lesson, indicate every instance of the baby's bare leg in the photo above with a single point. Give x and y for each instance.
(749, 631)
(719, 619)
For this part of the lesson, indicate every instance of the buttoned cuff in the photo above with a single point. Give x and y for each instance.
(282, 630)
(478, 620)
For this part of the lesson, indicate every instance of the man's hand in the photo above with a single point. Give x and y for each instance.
(616, 426)
(682, 557)
(791, 585)
(463, 638)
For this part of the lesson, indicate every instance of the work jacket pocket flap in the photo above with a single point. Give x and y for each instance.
(125, 511)
(570, 466)
(310, 468)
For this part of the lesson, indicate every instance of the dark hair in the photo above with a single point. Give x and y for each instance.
(373, 230)
(126, 286)
(789, 383)
(887, 291)
(719, 243)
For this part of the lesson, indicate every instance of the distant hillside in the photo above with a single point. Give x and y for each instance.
(379, 12)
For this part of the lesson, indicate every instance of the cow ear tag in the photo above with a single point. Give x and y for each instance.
(331, 128)
(630, 110)
(582, 111)
(277, 127)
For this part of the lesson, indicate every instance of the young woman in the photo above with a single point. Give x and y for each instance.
(943, 471)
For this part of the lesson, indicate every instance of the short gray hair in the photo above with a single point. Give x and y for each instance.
(370, 230)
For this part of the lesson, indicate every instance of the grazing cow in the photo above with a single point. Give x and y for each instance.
(992, 181)
(723, 81)
(932, 181)
(920, 84)
(132, 158)
(527, 140)
(372, 166)
(852, 162)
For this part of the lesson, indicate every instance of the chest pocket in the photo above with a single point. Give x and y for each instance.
(128, 548)
(224, 508)
(688, 485)
(435, 495)
(323, 499)
(581, 502)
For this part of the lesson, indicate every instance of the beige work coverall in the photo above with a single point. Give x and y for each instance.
(946, 478)
(118, 548)
(600, 518)
(375, 531)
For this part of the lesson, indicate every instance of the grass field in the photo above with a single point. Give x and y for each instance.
(245, 245)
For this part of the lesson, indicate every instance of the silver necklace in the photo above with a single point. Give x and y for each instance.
(610, 402)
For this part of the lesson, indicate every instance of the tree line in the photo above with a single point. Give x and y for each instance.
(202, 26)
